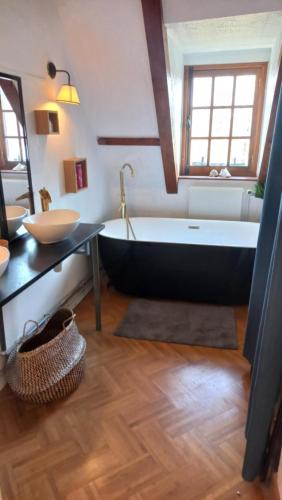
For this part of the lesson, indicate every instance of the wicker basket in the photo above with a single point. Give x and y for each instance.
(49, 364)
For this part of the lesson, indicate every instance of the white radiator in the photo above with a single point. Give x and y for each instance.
(223, 203)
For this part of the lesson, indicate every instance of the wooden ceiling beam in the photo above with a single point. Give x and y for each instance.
(153, 20)
(128, 141)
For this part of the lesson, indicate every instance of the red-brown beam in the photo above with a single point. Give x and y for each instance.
(128, 141)
(153, 20)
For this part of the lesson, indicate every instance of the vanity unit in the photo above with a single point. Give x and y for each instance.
(30, 261)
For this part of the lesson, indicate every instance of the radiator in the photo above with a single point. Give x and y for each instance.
(223, 203)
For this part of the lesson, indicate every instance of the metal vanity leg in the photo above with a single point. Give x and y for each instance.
(2, 332)
(96, 279)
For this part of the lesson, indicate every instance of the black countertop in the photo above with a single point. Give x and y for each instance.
(30, 260)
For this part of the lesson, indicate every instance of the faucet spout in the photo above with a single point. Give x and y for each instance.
(45, 199)
(130, 168)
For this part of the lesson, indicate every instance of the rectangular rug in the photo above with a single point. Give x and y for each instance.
(180, 323)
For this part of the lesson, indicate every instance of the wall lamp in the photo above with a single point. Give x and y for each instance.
(67, 92)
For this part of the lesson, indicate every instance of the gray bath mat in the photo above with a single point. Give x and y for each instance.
(180, 323)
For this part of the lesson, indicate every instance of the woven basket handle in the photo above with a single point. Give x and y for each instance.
(39, 327)
(71, 318)
(27, 323)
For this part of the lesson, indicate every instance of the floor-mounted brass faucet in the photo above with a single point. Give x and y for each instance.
(45, 198)
(123, 208)
(122, 190)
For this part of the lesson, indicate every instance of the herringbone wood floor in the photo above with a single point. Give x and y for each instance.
(150, 421)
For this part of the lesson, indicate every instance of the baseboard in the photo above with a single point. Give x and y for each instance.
(78, 294)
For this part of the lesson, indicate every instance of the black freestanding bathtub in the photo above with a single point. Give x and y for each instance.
(185, 259)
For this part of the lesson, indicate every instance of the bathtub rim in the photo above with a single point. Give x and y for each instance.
(181, 219)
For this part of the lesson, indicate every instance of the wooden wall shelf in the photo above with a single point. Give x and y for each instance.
(128, 141)
(75, 170)
(46, 122)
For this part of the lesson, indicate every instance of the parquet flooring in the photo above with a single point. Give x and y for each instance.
(150, 421)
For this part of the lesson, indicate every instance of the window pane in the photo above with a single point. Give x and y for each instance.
(239, 155)
(221, 122)
(223, 89)
(242, 121)
(202, 91)
(10, 124)
(200, 122)
(199, 152)
(245, 90)
(5, 105)
(219, 152)
(13, 149)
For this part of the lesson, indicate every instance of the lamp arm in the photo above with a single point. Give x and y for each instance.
(52, 71)
(64, 71)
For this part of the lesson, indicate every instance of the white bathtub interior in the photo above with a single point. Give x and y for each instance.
(187, 231)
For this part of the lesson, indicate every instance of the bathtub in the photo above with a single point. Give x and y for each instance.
(184, 259)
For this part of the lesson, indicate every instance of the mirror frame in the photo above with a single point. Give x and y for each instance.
(3, 221)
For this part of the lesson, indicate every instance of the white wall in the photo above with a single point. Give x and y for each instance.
(30, 36)
(272, 72)
(227, 56)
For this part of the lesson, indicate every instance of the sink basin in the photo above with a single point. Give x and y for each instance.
(4, 259)
(15, 215)
(53, 226)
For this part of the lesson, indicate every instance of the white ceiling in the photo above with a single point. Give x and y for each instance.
(250, 31)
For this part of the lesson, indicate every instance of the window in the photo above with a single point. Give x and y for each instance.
(222, 118)
(12, 140)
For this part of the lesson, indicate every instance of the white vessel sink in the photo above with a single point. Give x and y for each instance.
(15, 216)
(4, 259)
(52, 226)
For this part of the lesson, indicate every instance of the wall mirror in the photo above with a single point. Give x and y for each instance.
(16, 195)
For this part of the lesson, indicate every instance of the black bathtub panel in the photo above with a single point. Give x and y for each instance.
(177, 271)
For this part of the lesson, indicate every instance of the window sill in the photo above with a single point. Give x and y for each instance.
(207, 177)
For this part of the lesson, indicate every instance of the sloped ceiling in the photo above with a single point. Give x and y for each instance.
(229, 33)
(180, 11)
